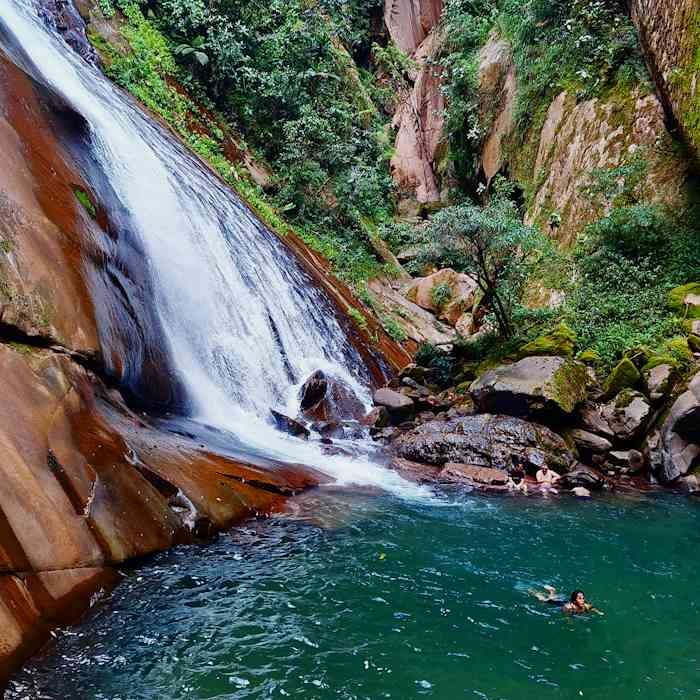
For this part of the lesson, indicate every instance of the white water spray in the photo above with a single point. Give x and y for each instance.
(243, 323)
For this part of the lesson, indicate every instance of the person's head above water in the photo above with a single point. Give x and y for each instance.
(578, 599)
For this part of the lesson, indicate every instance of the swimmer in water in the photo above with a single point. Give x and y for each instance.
(575, 605)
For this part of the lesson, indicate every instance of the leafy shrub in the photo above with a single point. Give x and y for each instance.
(440, 295)
(441, 363)
(492, 245)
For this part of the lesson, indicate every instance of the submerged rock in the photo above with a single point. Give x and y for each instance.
(289, 425)
(484, 441)
(537, 387)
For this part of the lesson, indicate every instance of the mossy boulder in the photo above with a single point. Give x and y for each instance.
(559, 342)
(678, 347)
(694, 343)
(685, 300)
(543, 388)
(624, 376)
(589, 357)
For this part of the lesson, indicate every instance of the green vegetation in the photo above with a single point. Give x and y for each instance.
(284, 73)
(307, 87)
(82, 196)
(492, 245)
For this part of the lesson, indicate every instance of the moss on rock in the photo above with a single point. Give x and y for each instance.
(623, 376)
(569, 385)
(559, 342)
(685, 300)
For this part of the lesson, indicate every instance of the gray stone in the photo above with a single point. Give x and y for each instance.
(659, 381)
(628, 415)
(591, 419)
(289, 425)
(400, 407)
(589, 441)
(484, 441)
(535, 387)
(675, 449)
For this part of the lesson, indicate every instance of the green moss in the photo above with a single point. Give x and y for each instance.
(569, 385)
(624, 376)
(82, 196)
(658, 360)
(694, 343)
(677, 300)
(393, 328)
(678, 347)
(358, 318)
(625, 398)
(22, 348)
(589, 357)
(559, 342)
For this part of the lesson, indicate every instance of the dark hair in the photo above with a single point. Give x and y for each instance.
(574, 595)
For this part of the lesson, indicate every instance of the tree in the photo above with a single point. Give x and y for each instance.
(492, 245)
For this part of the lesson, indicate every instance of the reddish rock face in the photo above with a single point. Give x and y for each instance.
(410, 21)
(419, 122)
(87, 484)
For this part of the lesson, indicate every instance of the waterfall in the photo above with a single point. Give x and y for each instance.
(242, 322)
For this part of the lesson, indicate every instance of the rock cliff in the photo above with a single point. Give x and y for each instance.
(671, 41)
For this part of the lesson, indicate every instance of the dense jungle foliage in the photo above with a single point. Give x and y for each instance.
(309, 88)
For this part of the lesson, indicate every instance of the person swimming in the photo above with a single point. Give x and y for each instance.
(576, 604)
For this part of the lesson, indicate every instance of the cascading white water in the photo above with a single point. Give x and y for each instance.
(243, 323)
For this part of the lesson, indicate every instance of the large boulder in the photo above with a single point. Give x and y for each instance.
(628, 415)
(324, 398)
(484, 441)
(536, 387)
(460, 295)
(674, 449)
(400, 407)
(589, 442)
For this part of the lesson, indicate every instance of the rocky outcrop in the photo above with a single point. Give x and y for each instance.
(537, 387)
(579, 137)
(410, 21)
(498, 92)
(670, 40)
(63, 16)
(575, 139)
(459, 290)
(88, 484)
(419, 123)
(419, 325)
(484, 441)
(675, 448)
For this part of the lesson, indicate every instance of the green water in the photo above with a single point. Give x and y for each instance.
(375, 598)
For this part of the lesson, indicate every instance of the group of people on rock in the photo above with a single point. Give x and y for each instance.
(545, 478)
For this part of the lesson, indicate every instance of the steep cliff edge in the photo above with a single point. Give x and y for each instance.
(670, 34)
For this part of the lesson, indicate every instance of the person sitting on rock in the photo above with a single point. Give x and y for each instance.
(546, 477)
